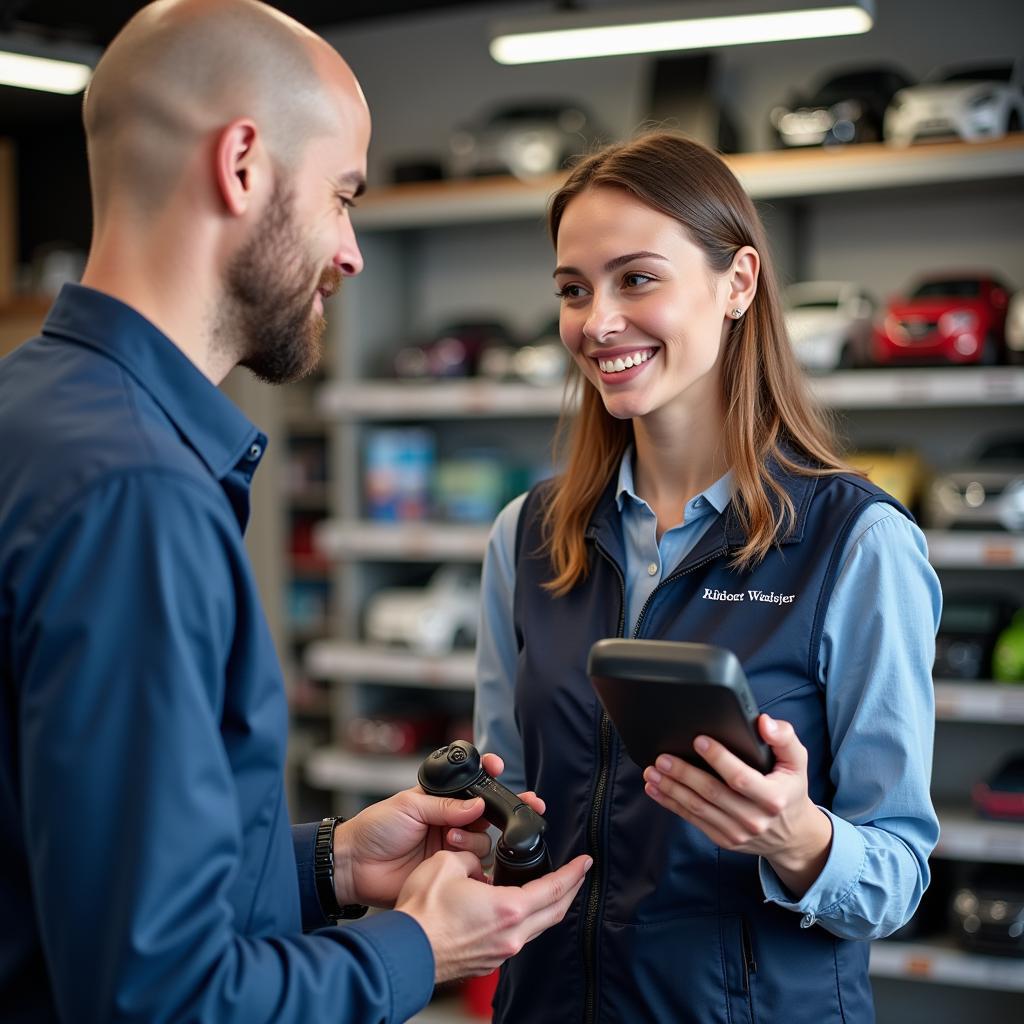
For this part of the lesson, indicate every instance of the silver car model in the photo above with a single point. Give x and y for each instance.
(986, 496)
(525, 140)
(829, 324)
(971, 103)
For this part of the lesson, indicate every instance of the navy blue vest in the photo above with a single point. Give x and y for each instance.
(669, 928)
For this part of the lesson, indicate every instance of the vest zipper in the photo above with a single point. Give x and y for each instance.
(593, 899)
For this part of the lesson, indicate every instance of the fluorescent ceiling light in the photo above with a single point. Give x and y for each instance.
(27, 62)
(581, 34)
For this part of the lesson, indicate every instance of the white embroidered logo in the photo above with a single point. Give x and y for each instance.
(764, 596)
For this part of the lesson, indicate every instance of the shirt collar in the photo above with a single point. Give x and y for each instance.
(718, 495)
(209, 421)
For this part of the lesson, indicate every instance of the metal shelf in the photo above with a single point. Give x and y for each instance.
(956, 550)
(924, 388)
(965, 836)
(945, 964)
(421, 542)
(935, 387)
(329, 659)
(772, 175)
(436, 399)
(328, 768)
(995, 703)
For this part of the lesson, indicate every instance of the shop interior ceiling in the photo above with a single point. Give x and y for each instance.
(96, 22)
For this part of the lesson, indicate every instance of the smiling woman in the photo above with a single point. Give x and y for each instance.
(702, 501)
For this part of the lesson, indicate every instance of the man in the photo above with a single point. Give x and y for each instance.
(147, 871)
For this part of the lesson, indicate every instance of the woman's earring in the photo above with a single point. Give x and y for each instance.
(736, 314)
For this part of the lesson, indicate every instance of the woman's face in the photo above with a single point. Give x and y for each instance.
(641, 312)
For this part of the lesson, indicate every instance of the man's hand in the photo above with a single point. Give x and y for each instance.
(474, 927)
(375, 851)
(768, 815)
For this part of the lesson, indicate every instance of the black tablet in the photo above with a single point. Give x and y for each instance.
(661, 695)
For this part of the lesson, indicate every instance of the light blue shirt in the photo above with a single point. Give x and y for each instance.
(874, 664)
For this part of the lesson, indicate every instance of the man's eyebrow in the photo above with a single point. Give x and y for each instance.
(353, 180)
(616, 262)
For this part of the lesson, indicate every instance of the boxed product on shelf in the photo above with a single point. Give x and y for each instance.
(398, 466)
(306, 604)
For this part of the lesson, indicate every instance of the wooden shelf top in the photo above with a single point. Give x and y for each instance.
(778, 174)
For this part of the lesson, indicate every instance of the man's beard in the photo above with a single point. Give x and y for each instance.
(270, 288)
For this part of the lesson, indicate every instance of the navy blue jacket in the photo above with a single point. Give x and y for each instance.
(668, 926)
(148, 871)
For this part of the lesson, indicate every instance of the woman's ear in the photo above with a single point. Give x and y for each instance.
(237, 165)
(746, 265)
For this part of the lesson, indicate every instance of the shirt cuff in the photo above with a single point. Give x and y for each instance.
(404, 949)
(304, 841)
(838, 878)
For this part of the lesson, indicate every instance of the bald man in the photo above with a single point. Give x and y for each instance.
(147, 868)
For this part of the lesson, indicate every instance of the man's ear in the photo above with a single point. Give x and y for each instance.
(238, 165)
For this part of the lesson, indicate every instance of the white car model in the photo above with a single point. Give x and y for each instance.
(1015, 327)
(972, 103)
(429, 620)
(829, 324)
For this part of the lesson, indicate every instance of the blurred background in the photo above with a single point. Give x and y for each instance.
(888, 166)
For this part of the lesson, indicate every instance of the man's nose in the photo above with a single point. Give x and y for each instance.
(348, 259)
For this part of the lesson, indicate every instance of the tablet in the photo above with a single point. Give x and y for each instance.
(660, 695)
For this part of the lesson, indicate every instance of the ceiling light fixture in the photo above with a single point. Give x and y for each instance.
(31, 62)
(579, 34)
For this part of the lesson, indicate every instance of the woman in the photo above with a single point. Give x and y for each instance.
(697, 467)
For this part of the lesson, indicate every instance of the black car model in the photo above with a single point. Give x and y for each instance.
(970, 625)
(988, 912)
(848, 107)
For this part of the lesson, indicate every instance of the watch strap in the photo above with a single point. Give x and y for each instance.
(323, 875)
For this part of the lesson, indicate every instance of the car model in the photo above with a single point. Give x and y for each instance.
(967, 102)
(900, 472)
(1015, 327)
(453, 351)
(433, 619)
(988, 912)
(1001, 794)
(829, 324)
(525, 140)
(542, 361)
(846, 107)
(988, 495)
(970, 626)
(946, 318)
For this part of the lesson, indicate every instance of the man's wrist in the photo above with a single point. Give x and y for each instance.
(326, 870)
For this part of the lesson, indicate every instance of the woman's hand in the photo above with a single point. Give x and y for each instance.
(377, 850)
(771, 815)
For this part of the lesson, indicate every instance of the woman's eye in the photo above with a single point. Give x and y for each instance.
(570, 291)
(347, 203)
(635, 279)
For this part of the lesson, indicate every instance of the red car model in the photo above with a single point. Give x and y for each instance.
(948, 318)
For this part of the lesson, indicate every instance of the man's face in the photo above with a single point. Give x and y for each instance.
(275, 287)
(301, 247)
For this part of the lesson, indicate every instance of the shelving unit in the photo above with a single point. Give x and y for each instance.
(413, 236)
(945, 965)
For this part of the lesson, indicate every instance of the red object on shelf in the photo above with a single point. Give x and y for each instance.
(478, 993)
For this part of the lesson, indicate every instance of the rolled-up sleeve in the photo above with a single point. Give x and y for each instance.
(875, 663)
(124, 629)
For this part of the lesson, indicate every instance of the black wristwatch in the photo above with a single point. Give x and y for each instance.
(323, 875)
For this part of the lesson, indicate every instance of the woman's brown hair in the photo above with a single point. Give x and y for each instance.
(769, 414)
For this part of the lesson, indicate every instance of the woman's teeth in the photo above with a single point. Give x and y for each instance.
(618, 365)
